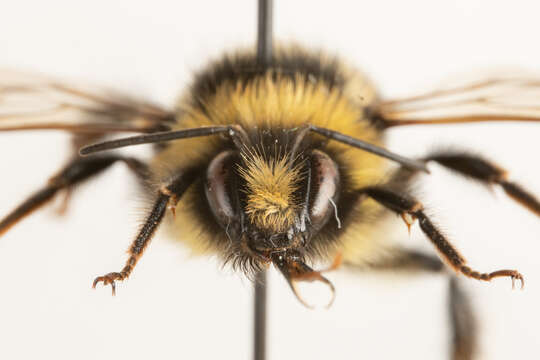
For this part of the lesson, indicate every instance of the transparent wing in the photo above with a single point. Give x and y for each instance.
(29, 101)
(496, 98)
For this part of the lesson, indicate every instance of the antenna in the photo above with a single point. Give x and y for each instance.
(264, 58)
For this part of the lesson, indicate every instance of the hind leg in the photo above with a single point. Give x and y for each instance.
(460, 312)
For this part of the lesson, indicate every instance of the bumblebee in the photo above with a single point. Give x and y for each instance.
(281, 164)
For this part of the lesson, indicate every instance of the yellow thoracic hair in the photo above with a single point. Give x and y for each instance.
(279, 100)
(270, 187)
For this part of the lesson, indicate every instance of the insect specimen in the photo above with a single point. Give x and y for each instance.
(282, 182)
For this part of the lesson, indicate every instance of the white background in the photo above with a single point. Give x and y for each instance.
(178, 306)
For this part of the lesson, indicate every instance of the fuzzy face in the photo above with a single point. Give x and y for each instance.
(279, 191)
(270, 199)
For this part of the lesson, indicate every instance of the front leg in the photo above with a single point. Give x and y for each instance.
(168, 195)
(410, 210)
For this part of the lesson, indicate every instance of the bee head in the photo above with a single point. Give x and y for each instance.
(271, 206)
(272, 203)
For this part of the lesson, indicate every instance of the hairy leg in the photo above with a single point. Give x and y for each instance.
(167, 197)
(410, 210)
(75, 172)
(461, 315)
(476, 168)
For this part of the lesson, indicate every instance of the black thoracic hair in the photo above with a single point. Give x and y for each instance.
(243, 67)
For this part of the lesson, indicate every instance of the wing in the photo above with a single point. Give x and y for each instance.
(497, 98)
(36, 102)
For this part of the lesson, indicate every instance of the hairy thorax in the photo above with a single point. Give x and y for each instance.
(272, 106)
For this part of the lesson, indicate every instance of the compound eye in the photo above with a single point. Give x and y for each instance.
(216, 187)
(325, 181)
